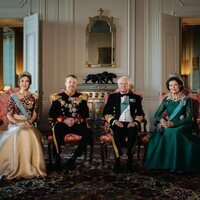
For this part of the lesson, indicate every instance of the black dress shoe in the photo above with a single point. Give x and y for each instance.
(117, 166)
(70, 165)
(57, 162)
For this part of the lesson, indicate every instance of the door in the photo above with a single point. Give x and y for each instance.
(170, 57)
(31, 49)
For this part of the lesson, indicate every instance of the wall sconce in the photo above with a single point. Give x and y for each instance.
(185, 68)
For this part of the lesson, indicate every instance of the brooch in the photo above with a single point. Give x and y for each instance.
(183, 102)
(132, 100)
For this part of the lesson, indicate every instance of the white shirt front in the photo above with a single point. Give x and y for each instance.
(126, 115)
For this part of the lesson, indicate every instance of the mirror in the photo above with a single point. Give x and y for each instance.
(100, 41)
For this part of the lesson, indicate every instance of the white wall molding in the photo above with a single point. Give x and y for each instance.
(183, 8)
(152, 53)
(129, 37)
(194, 13)
(14, 9)
(131, 41)
(152, 46)
(22, 3)
(180, 2)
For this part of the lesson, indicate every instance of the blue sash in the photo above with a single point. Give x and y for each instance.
(124, 104)
(20, 106)
(177, 109)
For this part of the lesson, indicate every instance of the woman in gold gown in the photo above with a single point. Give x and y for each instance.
(21, 147)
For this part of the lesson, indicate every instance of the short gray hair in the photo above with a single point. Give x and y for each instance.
(124, 77)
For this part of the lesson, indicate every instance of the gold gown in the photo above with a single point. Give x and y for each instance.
(21, 147)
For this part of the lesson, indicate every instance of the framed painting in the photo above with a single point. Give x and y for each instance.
(195, 62)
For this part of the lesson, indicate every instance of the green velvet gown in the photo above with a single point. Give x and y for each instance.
(178, 147)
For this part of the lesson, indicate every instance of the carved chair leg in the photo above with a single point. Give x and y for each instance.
(50, 153)
(91, 148)
(106, 151)
(53, 152)
(91, 145)
(145, 148)
(85, 153)
(138, 151)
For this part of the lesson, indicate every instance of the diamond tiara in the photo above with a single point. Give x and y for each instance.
(25, 73)
(174, 75)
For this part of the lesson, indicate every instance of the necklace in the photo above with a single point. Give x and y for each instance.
(24, 93)
(175, 97)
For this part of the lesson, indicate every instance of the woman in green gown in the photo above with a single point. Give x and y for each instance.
(175, 146)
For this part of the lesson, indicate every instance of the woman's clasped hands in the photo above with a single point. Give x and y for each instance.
(165, 123)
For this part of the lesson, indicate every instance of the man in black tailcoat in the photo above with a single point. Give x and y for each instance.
(69, 113)
(123, 111)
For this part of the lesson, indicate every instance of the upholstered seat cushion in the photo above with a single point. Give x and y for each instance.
(72, 137)
(143, 137)
(3, 106)
(68, 138)
(106, 138)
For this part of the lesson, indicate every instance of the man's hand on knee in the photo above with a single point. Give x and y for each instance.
(118, 123)
(131, 124)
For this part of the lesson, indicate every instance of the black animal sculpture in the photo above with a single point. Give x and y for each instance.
(94, 78)
(108, 77)
(100, 78)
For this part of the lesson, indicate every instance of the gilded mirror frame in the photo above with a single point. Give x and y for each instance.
(98, 59)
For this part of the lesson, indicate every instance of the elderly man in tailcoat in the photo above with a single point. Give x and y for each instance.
(123, 111)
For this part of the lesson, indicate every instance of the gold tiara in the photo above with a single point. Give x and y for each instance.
(25, 73)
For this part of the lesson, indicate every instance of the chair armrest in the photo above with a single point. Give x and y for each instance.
(144, 125)
(51, 122)
(197, 126)
(105, 126)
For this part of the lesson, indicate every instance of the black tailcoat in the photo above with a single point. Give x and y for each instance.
(113, 106)
(112, 111)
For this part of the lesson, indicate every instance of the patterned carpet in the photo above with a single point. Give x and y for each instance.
(96, 182)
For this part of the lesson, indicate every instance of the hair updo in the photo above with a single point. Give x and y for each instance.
(178, 80)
